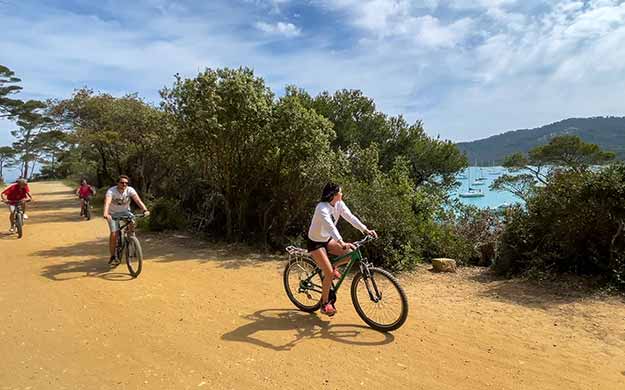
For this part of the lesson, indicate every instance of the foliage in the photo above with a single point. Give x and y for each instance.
(565, 152)
(223, 156)
(166, 214)
(467, 234)
(122, 135)
(390, 204)
(573, 224)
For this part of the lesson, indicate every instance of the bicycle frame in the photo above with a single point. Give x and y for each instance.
(355, 257)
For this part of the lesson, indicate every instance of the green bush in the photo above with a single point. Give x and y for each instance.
(574, 224)
(466, 233)
(166, 214)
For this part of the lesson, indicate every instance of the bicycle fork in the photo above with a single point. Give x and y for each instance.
(372, 288)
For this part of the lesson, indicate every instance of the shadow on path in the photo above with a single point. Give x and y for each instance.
(537, 295)
(303, 327)
(92, 262)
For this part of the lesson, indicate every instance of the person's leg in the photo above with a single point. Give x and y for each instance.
(12, 216)
(336, 250)
(321, 259)
(82, 205)
(112, 243)
(113, 228)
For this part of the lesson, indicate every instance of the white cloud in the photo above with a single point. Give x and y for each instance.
(288, 30)
(467, 72)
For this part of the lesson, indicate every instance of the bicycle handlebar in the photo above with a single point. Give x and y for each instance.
(365, 240)
(127, 217)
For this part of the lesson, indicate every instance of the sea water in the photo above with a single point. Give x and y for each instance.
(492, 199)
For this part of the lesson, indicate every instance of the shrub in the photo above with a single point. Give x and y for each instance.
(166, 214)
(575, 224)
(467, 234)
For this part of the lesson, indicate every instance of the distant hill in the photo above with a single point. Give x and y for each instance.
(607, 132)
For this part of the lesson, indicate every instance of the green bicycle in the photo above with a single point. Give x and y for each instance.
(376, 295)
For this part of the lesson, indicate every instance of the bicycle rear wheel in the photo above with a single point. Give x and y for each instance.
(379, 300)
(302, 283)
(19, 224)
(87, 211)
(134, 256)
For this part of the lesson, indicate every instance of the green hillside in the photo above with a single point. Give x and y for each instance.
(607, 132)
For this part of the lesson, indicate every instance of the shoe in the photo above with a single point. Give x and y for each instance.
(114, 262)
(336, 273)
(11, 229)
(328, 309)
(25, 216)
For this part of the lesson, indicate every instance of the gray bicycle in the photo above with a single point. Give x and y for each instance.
(127, 245)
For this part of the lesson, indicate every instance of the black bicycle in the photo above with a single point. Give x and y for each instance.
(127, 244)
(18, 217)
(377, 296)
(86, 208)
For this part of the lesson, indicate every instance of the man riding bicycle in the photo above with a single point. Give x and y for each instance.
(16, 193)
(117, 203)
(84, 191)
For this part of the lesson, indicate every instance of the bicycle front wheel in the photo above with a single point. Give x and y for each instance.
(19, 224)
(302, 282)
(134, 256)
(379, 300)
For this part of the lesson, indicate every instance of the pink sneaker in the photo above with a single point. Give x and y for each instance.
(328, 309)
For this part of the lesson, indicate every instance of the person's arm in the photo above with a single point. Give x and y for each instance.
(139, 203)
(92, 190)
(4, 193)
(107, 204)
(353, 220)
(77, 191)
(334, 232)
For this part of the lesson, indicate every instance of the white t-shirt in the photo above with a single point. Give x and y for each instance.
(323, 225)
(120, 201)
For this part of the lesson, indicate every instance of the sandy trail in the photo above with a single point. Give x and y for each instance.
(214, 316)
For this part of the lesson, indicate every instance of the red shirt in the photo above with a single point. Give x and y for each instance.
(85, 191)
(15, 193)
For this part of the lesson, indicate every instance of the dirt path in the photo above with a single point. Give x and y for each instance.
(207, 316)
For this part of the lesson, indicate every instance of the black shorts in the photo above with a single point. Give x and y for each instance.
(314, 245)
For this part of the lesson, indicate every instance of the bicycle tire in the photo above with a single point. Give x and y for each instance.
(87, 211)
(373, 285)
(19, 224)
(134, 256)
(305, 267)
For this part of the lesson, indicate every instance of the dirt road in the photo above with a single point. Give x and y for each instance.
(216, 317)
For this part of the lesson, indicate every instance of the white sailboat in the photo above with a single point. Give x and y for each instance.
(471, 192)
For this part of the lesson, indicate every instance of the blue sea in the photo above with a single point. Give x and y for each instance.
(492, 199)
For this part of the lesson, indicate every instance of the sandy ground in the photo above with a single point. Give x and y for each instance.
(208, 316)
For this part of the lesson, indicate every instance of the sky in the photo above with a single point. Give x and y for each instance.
(468, 69)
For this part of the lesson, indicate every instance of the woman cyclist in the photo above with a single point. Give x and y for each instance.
(324, 238)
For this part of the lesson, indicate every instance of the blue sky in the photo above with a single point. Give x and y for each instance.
(467, 68)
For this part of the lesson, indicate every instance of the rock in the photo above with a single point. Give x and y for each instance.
(444, 265)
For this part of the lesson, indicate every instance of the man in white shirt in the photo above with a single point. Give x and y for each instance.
(116, 204)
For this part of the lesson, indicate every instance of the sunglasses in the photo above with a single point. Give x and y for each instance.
(123, 183)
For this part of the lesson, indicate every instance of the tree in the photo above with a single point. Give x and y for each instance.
(6, 154)
(8, 86)
(222, 120)
(123, 135)
(568, 153)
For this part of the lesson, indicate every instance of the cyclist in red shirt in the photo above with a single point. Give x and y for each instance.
(84, 191)
(14, 194)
